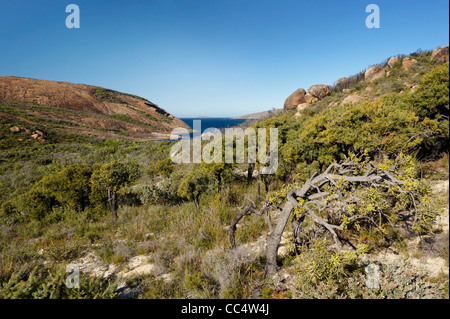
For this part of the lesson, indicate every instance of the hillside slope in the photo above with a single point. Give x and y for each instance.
(85, 109)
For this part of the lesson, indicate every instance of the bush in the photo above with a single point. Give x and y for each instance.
(107, 95)
(109, 179)
(162, 168)
(163, 192)
(51, 284)
(36, 203)
(319, 264)
(325, 274)
(194, 184)
(398, 280)
(68, 189)
(431, 98)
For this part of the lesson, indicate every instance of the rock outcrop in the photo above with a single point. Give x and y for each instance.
(354, 98)
(92, 110)
(303, 106)
(407, 63)
(309, 99)
(37, 134)
(302, 99)
(342, 81)
(440, 54)
(294, 99)
(392, 61)
(319, 91)
(373, 73)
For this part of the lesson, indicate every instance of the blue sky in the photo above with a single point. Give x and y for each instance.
(211, 57)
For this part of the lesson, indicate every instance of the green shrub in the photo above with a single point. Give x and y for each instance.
(163, 192)
(398, 280)
(158, 288)
(108, 180)
(51, 284)
(324, 274)
(68, 189)
(319, 264)
(194, 184)
(163, 168)
(107, 95)
(36, 203)
(431, 97)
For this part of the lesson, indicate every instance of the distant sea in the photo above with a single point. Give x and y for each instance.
(213, 122)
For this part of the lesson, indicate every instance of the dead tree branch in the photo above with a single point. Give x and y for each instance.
(312, 194)
(245, 210)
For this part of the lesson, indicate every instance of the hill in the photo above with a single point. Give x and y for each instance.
(83, 109)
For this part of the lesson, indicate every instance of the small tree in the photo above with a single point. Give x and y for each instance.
(70, 187)
(109, 178)
(163, 168)
(194, 184)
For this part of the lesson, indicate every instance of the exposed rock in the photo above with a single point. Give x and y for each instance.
(15, 129)
(407, 63)
(39, 135)
(303, 106)
(138, 265)
(351, 99)
(411, 86)
(319, 91)
(333, 104)
(440, 54)
(373, 73)
(341, 81)
(392, 61)
(92, 265)
(294, 99)
(297, 115)
(308, 98)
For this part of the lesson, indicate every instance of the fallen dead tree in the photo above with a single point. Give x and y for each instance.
(331, 200)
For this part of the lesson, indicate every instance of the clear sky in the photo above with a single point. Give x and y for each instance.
(211, 57)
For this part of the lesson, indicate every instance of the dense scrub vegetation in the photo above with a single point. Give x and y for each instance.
(72, 195)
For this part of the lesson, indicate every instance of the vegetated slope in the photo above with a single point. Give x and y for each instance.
(170, 238)
(85, 109)
(259, 115)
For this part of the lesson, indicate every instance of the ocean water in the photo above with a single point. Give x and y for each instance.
(213, 122)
